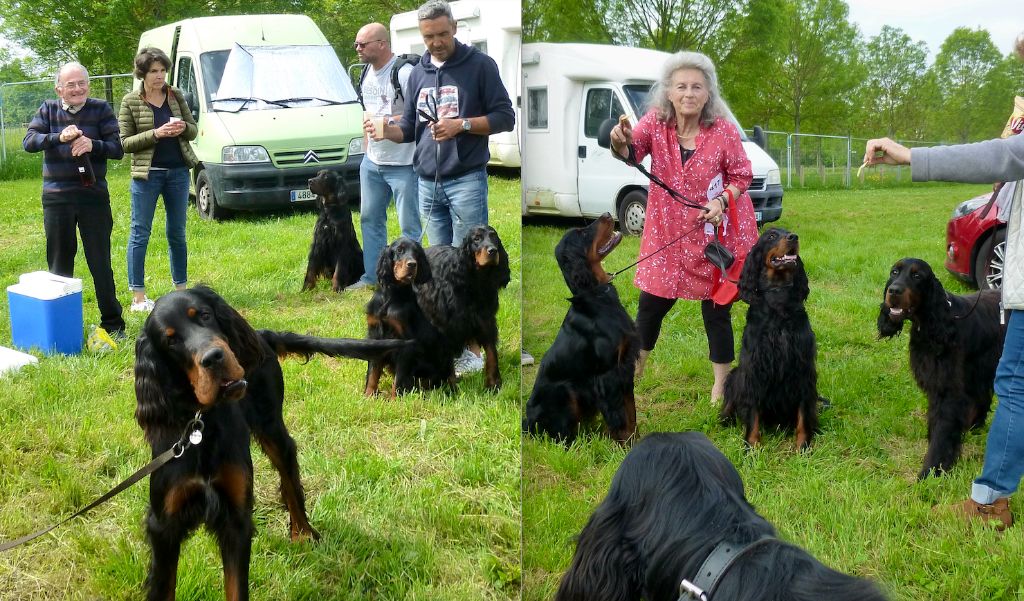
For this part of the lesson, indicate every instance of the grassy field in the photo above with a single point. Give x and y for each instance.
(853, 501)
(417, 498)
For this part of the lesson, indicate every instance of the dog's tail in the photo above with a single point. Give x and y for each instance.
(290, 343)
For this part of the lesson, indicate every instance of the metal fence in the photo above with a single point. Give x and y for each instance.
(829, 161)
(20, 100)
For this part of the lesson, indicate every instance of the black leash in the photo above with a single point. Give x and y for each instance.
(192, 435)
(663, 247)
(975, 306)
(722, 557)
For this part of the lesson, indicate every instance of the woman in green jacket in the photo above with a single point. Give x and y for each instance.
(156, 127)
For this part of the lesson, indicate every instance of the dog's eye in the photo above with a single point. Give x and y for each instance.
(895, 271)
(205, 315)
(916, 275)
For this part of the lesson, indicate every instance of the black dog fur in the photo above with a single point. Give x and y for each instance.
(673, 499)
(394, 313)
(775, 382)
(462, 297)
(335, 251)
(196, 353)
(589, 367)
(955, 345)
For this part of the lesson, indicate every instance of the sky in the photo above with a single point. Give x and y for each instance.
(931, 21)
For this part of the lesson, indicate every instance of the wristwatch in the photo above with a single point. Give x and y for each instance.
(466, 125)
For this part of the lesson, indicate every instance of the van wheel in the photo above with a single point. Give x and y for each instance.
(632, 210)
(206, 203)
(988, 266)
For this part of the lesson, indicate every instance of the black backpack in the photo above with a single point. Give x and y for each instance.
(400, 61)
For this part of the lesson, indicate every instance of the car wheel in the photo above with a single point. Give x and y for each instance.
(206, 202)
(632, 211)
(988, 266)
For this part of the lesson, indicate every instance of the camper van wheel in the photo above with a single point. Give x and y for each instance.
(206, 203)
(632, 210)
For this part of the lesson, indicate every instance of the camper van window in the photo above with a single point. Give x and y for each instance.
(276, 77)
(601, 104)
(638, 95)
(186, 76)
(537, 108)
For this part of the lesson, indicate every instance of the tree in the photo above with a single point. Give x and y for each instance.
(974, 86)
(566, 21)
(895, 67)
(669, 25)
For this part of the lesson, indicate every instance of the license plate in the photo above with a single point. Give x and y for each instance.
(757, 215)
(302, 195)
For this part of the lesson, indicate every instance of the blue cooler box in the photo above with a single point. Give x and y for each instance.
(46, 313)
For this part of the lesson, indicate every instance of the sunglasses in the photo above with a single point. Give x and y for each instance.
(360, 45)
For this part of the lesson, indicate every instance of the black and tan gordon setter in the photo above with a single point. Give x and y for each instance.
(335, 251)
(589, 367)
(676, 512)
(462, 297)
(196, 353)
(775, 382)
(955, 345)
(394, 313)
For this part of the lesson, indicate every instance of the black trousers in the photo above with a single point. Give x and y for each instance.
(717, 325)
(94, 223)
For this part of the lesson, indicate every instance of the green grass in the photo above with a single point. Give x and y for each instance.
(852, 501)
(416, 498)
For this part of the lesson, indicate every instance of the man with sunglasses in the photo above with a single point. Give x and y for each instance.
(456, 100)
(386, 169)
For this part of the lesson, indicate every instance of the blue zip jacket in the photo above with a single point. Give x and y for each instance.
(469, 86)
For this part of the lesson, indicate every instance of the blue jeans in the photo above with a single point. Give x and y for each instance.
(377, 183)
(1004, 449)
(173, 185)
(461, 204)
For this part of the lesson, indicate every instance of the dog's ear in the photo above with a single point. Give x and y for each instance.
(245, 343)
(937, 315)
(340, 188)
(750, 276)
(386, 266)
(152, 377)
(502, 274)
(423, 272)
(604, 565)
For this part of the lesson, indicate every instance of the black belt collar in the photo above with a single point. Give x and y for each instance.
(722, 557)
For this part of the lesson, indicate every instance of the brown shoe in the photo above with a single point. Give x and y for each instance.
(997, 514)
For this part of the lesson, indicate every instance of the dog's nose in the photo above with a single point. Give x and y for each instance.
(792, 237)
(410, 264)
(895, 289)
(492, 251)
(212, 357)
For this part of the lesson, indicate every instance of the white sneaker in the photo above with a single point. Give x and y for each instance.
(468, 363)
(358, 285)
(525, 358)
(143, 306)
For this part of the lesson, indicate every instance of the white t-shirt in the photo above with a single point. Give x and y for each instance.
(379, 99)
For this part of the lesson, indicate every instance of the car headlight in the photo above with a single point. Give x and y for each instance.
(355, 146)
(968, 206)
(244, 154)
(774, 178)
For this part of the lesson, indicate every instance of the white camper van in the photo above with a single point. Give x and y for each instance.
(570, 89)
(495, 28)
(273, 107)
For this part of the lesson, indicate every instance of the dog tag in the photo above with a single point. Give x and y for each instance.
(709, 229)
(195, 437)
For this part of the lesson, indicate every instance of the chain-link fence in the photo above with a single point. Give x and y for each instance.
(829, 161)
(20, 100)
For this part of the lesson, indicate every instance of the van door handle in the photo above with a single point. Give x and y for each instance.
(581, 152)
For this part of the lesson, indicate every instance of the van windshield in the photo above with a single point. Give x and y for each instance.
(274, 77)
(639, 97)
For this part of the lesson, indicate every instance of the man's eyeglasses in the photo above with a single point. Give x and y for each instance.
(360, 45)
(71, 85)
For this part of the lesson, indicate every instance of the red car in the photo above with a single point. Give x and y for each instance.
(976, 243)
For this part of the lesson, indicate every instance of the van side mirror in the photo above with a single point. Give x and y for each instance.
(758, 136)
(604, 132)
(193, 106)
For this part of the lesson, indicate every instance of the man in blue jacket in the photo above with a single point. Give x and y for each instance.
(457, 101)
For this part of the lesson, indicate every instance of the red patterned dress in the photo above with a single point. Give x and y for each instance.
(681, 270)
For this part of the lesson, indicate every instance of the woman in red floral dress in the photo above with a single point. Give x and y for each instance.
(697, 151)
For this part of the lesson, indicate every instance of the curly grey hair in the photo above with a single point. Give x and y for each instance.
(68, 67)
(433, 9)
(715, 106)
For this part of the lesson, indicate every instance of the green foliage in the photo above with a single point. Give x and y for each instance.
(894, 73)
(973, 85)
(853, 500)
(416, 497)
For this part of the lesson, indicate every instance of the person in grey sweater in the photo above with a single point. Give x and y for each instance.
(985, 162)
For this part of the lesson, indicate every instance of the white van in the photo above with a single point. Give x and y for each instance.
(273, 105)
(495, 28)
(570, 90)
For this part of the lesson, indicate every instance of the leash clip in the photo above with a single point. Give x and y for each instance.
(689, 590)
(193, 432)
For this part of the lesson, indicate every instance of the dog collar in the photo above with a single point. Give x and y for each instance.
(722, 557)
